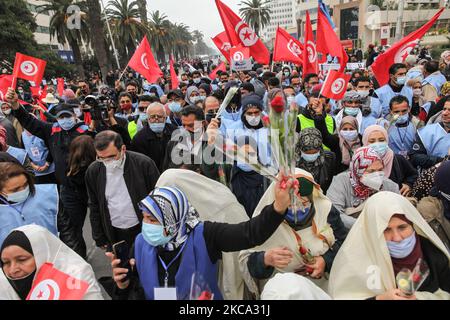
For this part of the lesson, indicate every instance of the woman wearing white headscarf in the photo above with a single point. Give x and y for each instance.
(26, 250)
(316, 227)
(389, 235)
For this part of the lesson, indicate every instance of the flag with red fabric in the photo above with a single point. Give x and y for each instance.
(144, 63)
(335, 85)
(240, 33)
(60, 86)
(173, 75)
(53, 284)
(28, 68)
(239, 53)
(399, 51)
(223, 44)
(221, 67)
(287, 48)
(310, 64)
(5, 83)
(327, 41)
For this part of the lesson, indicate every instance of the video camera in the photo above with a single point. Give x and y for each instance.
(98, 106)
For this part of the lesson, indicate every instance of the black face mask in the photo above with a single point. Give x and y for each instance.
(210, 116)
(22, 286)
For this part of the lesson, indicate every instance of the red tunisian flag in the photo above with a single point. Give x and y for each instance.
(37, 93)
(240, 33)
(60, 86)
(310, 64)
(399, 51)
(223, 44)
(287, 48)
(220, 67)
(328, 42)
(143, 62)
(5, 83)
(335, 84)
(52, 284)
(28, 68)
(173, 75)
(239, 53)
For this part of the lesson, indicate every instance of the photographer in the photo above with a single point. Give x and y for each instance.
(102, 112)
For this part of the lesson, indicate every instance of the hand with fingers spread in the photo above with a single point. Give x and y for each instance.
(119, 273)
(278, 257)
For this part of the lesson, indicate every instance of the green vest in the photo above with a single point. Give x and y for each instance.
(132, 129)
(309, 123)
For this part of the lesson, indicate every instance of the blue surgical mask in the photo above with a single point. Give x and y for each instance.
(402, 119)
(154, 234)
(175, 107)
(143, 116)
(19, 196)
(351, 111)
(401, 81)
(310, 157)
(157, 127)
(403, 248)
(380, 147)
(287, 73)
(197, 80)
(300, 216)
(66, 123)
(349, 135)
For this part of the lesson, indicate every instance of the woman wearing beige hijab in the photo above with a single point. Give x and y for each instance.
(389, 235)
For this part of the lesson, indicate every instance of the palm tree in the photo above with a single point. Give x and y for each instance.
(142, 4)
(160, 34)
(59, 27)
(256, 13)
(181, 40)
(98, 38)
(126, 27)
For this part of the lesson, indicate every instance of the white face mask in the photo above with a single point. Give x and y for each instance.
(373, 180)
(417, 92)
(253, 120)
(7, 112)
(78, 112)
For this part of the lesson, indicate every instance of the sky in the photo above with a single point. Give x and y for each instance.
(197, 14)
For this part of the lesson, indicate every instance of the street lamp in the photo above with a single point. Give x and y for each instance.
(110, 35)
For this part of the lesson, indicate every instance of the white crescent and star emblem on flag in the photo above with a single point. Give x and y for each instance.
(238, 56)
(404, 51)
(294, 48)
(144, 61)
(246, 34)
(337, 86)
(226, 46)
(312, 53)
(45, 290)
(28, 68)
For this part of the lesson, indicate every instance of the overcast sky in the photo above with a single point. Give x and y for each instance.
(197, 14)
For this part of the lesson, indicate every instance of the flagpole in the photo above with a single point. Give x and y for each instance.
(110, 35)
(124, 70)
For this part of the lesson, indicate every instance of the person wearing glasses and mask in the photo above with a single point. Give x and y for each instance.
(152, 140)
(396, 86)
(115, 183)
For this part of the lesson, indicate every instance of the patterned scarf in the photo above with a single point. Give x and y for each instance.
(362, 159)
(310, 139)
(170, 206)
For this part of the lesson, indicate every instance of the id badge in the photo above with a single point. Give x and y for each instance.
(35, 151)
(165, 293)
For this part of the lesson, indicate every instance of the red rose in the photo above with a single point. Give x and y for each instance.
(303, 250)
(277, 104)
(266, 120)
(416, 277)
(309, 270)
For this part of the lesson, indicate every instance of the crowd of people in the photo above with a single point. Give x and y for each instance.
(371, 185)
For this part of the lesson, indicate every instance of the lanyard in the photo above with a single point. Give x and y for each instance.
(18, 211)
(166, 267)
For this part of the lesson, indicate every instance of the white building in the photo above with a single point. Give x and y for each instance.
(283, 15)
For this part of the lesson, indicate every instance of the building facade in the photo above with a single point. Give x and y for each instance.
(283, 15)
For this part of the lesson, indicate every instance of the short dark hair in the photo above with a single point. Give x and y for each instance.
(132, 83)
(397, 100)
(198, 112)
(395, 67)
(295, 76)
(10, 170)
(431, 66)
(309, 76)
(361, 79)
(267, 75)
(125, 94)
(196, 72)
(148, 98)
(274, 82)
(104, 139)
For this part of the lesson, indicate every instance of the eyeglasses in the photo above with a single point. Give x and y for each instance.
(156, 117)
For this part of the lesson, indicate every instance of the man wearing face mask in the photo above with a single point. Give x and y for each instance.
(11, 133)
(432, 142)
(196, 79)
(396, 86)
(433, 80)
(310, 81)
(115, 183)
(362, 85)
(152, 140)
(175, 103)
(403, 128)
(132, 89)
(136, 122)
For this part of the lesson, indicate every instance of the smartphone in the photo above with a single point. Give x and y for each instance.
(122, 251)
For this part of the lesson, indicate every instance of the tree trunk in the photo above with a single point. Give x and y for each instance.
(77, 56)
(142, 5)
(98, 40)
